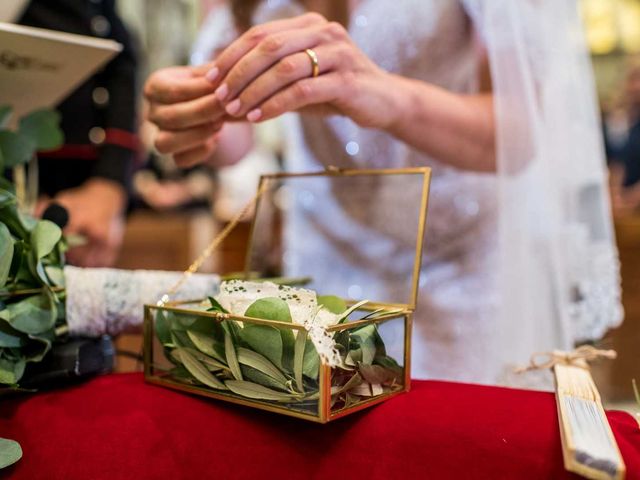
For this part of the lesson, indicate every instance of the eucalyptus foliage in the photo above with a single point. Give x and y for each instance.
(31, 255)
(10, 452)
(263, 362)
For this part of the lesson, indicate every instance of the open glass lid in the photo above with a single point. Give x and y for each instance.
(357, 234)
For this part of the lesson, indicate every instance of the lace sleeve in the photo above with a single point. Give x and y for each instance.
(105, 300)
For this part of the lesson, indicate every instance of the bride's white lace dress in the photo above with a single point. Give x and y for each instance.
(458, 333)
(433, 41)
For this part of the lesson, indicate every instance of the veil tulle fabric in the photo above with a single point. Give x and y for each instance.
(559, 277)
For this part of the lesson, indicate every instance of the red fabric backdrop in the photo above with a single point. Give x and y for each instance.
(118, 427)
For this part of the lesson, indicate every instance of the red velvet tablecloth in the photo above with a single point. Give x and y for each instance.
(118, 427)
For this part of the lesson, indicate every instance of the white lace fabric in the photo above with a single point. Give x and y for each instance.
(106, 300)
(596, 304)
(236, 296)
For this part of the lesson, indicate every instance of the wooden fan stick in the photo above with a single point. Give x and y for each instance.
(588, 445)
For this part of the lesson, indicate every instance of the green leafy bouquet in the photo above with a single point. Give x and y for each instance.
(31, 255)
(31, 261)
(262, 362)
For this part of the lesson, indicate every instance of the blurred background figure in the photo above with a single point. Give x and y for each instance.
(622, 135)
(91, 174)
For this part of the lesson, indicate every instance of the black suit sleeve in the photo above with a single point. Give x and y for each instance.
(631, 157)
(117, 153)
(99, 118)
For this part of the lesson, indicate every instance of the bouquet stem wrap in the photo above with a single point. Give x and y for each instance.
(105, 300)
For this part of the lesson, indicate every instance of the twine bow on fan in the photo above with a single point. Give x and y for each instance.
(580, 357)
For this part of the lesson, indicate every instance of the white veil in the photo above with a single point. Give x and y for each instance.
(559, 277)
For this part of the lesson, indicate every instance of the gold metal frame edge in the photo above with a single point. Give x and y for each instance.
(194, 390)
(332, 172)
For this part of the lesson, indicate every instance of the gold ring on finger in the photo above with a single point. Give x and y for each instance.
(315, 65)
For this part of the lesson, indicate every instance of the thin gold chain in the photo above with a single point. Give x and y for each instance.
(215, 243)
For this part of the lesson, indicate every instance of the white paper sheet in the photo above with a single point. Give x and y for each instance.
(39, 68)
(10, 10)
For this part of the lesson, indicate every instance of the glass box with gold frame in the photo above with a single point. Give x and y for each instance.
(318, 352)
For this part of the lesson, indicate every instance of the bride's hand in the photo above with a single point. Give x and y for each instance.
(267, 72)
(188, 115)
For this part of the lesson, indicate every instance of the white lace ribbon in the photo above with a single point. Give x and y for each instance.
(236, 296)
